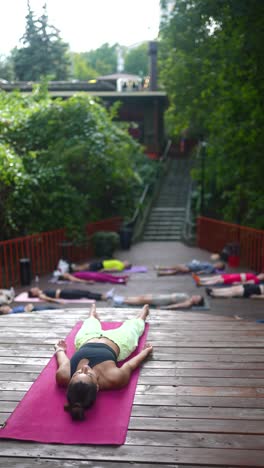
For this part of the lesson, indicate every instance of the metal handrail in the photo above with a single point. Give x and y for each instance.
(189, 224)
(163, 159)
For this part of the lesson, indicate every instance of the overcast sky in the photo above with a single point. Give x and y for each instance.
(84, 24)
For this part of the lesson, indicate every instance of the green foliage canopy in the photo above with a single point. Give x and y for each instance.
(137, 60)
(211, 63)
(43, 54)
(103, 60)
(65, 163)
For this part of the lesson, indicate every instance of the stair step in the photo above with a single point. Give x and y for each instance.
(167, 217)
(165, 225)
(166, 209)
(167, 222)
(156, 230)
(161, 238)
(163, 233)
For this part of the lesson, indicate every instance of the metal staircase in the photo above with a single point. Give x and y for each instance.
(167, 216)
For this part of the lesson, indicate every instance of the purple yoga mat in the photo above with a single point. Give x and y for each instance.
(136, 269)
(40, 415)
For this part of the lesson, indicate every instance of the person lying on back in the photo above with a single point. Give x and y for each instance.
(93, 367)
(191, 267)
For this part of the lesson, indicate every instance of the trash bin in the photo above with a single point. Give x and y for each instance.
(125, 234)
(25, 271)
(234, 256)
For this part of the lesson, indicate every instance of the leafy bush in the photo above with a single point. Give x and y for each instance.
(76, 165)
(105, 243)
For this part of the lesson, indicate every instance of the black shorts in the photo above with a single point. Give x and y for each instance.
(251, 289)
(96, 266)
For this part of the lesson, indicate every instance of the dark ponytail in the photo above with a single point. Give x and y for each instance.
(76, 411)
(80, 396)
(201, 302)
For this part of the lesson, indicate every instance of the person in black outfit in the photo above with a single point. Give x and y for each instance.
(52, 295)
(242, 290)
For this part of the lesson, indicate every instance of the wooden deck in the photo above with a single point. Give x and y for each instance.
(199, 399)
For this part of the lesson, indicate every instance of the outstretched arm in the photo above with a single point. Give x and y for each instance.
(63, 373)
(47, 298)
(126, 370)
(181, 305)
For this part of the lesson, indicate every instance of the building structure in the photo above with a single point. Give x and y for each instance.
(142, 106)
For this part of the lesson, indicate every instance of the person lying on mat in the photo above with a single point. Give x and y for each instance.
(191, 267)
(52, 295)
(228, 278)
(93, 365)
(104, 265)
(172, 300)
(90, 277)
(242, 290)
(5, 309)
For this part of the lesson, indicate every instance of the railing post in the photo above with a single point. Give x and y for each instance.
(198, 231)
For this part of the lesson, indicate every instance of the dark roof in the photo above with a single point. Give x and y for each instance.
(100, 85)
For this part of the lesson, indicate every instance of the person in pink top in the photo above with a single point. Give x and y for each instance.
(228, 278)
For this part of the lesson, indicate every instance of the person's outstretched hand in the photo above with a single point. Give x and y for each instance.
(60, 345)
(148, 348)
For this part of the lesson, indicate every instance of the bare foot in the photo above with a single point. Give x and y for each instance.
(93, 312)
(145, 312)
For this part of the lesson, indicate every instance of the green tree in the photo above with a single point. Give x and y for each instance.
(81, 69)
(6, 68)
(211, 65)
(103, 59)
(137, 60)
(43, 54)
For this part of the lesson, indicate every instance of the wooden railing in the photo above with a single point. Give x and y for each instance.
(213, 235)
(45, 249)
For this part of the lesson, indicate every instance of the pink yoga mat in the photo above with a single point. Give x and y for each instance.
(40, 415)
(23, 297)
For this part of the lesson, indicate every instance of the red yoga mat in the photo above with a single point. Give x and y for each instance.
(40, 415)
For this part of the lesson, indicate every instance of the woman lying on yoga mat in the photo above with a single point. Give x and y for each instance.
(228, 278)
(104, 265)
(163, 301)
(52, 295)
(93, 366)
(90, 277)
(241, 290)
(193, 266)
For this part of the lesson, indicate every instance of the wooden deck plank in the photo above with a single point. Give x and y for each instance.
(127, 453)
(199, 399)
(26, 370)
(7, 462)
(185, 412)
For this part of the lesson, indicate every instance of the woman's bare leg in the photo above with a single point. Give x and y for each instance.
(173, 270)
(138, 300)
(93, 312)
(81, 267)
(211, 280)
(233, 291)
(144, 312)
